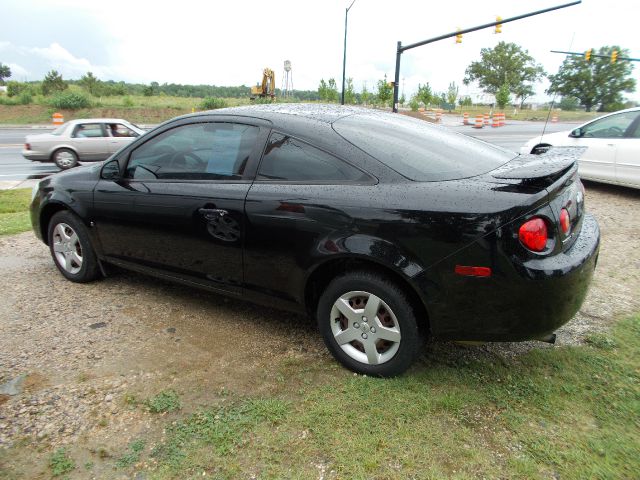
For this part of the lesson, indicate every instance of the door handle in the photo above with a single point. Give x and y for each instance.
(211, 213)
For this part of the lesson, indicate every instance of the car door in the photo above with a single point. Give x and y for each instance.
(628, 156)
(602, 138)
(91, 141)
(185, 189)
(121, 136)
(293, 210)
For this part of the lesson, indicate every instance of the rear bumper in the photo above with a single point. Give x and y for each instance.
(521, 300)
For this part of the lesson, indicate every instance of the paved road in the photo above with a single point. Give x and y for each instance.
(14, 167)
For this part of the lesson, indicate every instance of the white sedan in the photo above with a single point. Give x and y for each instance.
(613, 153)
(86, 140)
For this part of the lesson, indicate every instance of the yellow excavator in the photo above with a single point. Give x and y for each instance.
(268, 86)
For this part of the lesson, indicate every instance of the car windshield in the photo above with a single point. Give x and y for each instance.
(60, 129)
(418, 150)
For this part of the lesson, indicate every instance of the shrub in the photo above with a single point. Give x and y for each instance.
(25, 98)
(211, 103)
(16, 88)
(70, 101)
(165, 401)
(414, 105)
(127, 101)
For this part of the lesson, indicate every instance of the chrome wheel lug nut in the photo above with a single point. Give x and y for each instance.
(364, 335)
(356, 325)
(373, 329)
(365, 319)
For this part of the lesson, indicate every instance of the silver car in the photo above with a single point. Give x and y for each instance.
(86, 140)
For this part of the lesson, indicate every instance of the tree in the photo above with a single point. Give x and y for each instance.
(5, 72)
(332, 90)
(597, 83)
(503, 96)
(365, 94)
(385, 91)
(452, 93)
(506, 64)
(424, 94)
(53, 83)
(569, 103)
(349, 92)
(323, 90)
(90, 82)
(402, 99)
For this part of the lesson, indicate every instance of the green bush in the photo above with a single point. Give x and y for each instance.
(16, 88)
(25, 98)
(414, 105)
(127, 101)
(69, 101)
(211, 103)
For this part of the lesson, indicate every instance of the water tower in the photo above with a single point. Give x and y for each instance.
(287, 80)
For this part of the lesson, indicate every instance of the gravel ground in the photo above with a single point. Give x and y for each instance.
(84, 353)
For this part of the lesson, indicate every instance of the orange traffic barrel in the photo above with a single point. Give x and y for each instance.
(486, 119)
(502, 119)
(58, 118)
(479, 122)
(554, 119)
(465, 118)
(495, 120)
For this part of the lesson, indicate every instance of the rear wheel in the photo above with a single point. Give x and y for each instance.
(71, 248)
(65, 158)
(369, 325)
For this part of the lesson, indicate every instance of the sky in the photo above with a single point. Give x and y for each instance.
(229, 43)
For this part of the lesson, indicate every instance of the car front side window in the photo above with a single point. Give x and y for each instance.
(203, 151)
(613, 126)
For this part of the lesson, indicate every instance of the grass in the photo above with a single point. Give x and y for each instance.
(14, 211)
(532, 115)
(132, 455)
(60, 463)
(163, 402)
(571, 412)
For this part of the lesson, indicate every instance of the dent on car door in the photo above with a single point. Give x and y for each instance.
(188, 186)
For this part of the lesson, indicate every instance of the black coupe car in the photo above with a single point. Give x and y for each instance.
(385, 228)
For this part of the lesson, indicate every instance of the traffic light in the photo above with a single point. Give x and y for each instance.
(499, 25)
(459, 37)
(587, 55)
(614, 56)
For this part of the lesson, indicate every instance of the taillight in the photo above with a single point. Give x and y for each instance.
(565, 221)
(533, 234)
(27, 146)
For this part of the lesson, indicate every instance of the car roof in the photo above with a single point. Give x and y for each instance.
(311, 111)
(97, 120)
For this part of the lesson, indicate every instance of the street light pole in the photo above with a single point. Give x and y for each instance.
(344, 57)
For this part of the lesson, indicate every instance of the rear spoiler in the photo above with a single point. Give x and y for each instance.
(553, 163)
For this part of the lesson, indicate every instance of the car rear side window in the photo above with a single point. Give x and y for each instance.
(289, 159)
(418, 150)
(203, 151)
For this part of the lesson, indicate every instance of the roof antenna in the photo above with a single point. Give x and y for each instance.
(553, 100)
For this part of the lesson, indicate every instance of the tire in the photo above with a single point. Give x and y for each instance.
(65, 158)
(383, 346)
(71, 248)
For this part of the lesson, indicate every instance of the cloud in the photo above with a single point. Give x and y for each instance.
(17, 71)
(68, 64)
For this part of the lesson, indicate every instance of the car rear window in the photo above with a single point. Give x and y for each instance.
(418, 150)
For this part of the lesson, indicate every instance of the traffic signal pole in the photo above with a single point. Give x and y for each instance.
(594, 55)
(401, 49)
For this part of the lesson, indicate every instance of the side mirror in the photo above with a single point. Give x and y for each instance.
(577, 133)
(110, 170)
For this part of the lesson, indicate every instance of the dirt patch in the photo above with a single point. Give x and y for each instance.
(93, 353)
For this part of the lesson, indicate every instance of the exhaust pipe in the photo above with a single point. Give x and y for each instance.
(551, 338)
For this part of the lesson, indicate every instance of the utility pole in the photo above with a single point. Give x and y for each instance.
(344, 57)
(401, 49)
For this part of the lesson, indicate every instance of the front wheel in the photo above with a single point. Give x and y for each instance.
(65, 158)
(71, 248)
(369, 325)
